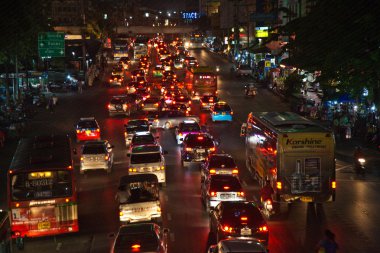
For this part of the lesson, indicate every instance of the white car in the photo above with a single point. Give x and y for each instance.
(96, 155)
(244, 70)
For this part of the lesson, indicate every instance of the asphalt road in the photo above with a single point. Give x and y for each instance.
(354, 217)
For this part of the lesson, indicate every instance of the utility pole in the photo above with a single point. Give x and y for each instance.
(84, 63)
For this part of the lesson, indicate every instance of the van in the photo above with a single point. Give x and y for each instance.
(148, 159)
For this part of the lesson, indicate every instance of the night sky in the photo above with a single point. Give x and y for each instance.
(177, 5)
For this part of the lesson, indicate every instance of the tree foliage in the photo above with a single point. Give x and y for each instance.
(341, 38)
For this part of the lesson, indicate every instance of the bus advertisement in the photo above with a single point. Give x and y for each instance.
(201, 81)
(41, 192)
(294, 153)
(140, 47)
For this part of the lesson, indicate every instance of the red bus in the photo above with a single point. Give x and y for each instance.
(41, 191)
(202, 80)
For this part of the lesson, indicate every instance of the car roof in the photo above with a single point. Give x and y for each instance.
(242, 245)
(94, 143)
(136, 228)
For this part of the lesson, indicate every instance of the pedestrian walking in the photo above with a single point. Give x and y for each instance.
(80, 87)
(327, 244)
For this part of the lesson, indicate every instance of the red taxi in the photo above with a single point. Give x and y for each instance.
(87, 129)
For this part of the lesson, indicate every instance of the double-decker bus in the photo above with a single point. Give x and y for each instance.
(41, 191)
(140, 47)
(201, 81)
(195, 41)
(294, 153)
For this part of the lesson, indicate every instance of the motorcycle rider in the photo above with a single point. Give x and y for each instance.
(266, 192)
(358, 153)
(249, 88)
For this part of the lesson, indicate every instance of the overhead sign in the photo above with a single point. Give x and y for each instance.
(261, 32)
(190, 15)
(51, 44)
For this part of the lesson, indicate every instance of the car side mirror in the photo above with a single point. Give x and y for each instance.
(243, 130)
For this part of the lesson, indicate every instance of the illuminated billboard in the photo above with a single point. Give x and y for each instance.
(261, 32)
(190, 15)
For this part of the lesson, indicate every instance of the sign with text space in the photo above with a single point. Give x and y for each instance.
(51, 44)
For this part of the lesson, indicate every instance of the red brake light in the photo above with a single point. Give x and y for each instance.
(212, 149)
(200, 138)
(240, 194)
(98, 130)
(263, 229)
(109, 106)
(235, 171)
(227, 228)
(243, 218)
(226, 187)
(213, 194)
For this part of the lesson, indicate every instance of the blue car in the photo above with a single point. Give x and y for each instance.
(221, 111)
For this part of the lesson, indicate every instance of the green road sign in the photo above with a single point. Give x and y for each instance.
(51, 44)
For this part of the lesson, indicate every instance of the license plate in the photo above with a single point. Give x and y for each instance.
(88, 132)
(201, 150)
(225, 196)
(306, 199)
(223, 113)
(245, 231)
(223, 172)
(43, 225)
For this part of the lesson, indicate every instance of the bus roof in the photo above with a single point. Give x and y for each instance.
(42, 152)
(202, 69)
(288, 122)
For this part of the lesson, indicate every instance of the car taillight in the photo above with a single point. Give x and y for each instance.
(212, 171)
(111, 80)
(106, 157)
(243, 218)
(109, 106)
(189, 149)
(212, 149)
(132, 170)
(78, 131)
(263, 229)
(203, 104)
(156, 104)
(235, 171)
(97, 130)
(240, 194)
(214, 113)
(227, 228)
(81, 158)
(279, 185)
(142, 105)
(333, 184)
(226, 187)
(231, 112)
(212, 194)
(136, 246)
(180, 134)
(190, 102)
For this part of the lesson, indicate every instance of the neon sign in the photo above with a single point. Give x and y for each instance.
(190, 15)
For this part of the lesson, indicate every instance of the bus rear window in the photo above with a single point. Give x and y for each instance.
(41, 185)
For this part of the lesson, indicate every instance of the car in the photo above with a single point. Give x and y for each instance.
(238, 246)
(183, 100)
(135, 126)
(244, 70)
(171, 119)
(238, 219)
(116, 80)
(142, 138)
(140, 237)
(137, 72)
(169, 96)
(151, 104)
(122, 105)
(221, 111)
(208, 101)
(96, 155)
(158, 70)
(141, 80)
(219, 188)
(219, 164)
(125, 62)
(190, 61)
(87, 129)
(131, 87)
(168, 75)
(148, 159)
(186, 127)
(117, 70)
(196, 148)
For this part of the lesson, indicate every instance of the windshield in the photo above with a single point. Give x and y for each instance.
(196, 140)
(225, 183)
(87, 124)
(143, 191)
(143, 139)
(93, 149)
(41, 185)
(145, 158)
(219, 107)
(222, 162)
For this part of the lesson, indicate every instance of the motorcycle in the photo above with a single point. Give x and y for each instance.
(360, 167)
(267, 208)
(250, 91)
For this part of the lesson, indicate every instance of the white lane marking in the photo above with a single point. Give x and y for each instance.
(172, 237)
(169, 217)
(59, 245)
(344, 167)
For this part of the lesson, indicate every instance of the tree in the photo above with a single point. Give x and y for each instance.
(20, 22)
(341, 39)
